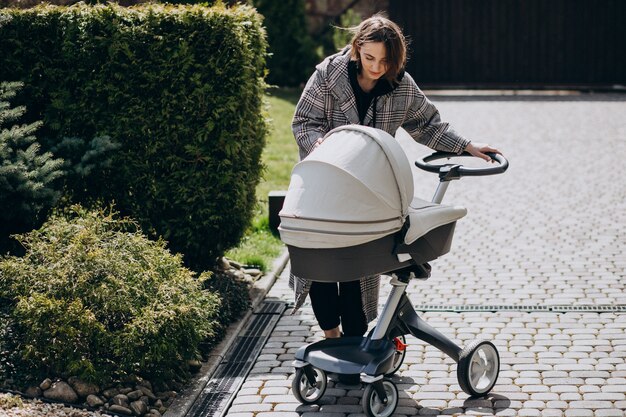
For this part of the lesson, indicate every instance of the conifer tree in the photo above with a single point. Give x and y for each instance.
(28, 185)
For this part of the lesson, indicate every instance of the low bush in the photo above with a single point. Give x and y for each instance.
(234, 295)
(94, 298)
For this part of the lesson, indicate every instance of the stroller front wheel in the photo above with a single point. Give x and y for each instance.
(308, 389)
(478, 368)
(373, 406)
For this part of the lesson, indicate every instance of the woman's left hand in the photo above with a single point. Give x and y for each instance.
(478, 150)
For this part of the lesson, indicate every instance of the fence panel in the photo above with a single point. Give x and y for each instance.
(515, 43)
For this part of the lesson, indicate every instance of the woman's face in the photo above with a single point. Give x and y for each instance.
(373, 60)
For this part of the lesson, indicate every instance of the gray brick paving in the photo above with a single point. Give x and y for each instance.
(548, 232)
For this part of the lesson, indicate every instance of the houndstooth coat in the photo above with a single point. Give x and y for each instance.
(328, 102)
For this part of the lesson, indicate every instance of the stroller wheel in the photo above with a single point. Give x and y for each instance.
(372, 404)
(478, 368)
(304, 390)
(399, 356)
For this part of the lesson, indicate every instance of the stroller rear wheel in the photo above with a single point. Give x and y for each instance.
(374, 406)
(478, 368)
(308, 389)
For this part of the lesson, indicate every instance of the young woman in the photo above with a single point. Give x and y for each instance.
(365, 84)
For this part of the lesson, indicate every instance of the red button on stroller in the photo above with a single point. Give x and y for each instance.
(349, 213)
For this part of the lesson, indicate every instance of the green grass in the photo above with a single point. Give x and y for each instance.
(260, 247)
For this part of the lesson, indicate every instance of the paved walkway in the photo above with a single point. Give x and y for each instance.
(551, 231)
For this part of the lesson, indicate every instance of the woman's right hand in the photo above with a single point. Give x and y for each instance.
(479, 150)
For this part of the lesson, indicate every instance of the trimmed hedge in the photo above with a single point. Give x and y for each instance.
(178, 88)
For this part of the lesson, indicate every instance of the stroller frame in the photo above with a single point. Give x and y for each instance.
(381, 353)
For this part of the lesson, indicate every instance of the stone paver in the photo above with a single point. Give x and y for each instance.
(548, 232)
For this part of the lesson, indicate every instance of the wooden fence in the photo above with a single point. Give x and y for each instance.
(515, 43)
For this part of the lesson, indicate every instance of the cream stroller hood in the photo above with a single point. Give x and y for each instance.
(355, 188)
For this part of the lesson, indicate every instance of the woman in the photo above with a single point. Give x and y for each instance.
(365, 84)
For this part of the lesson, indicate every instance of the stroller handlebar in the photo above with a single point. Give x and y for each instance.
(450, 171)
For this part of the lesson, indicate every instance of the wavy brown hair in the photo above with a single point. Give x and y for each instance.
(378, 28)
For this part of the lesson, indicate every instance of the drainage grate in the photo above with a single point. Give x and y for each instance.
(219, 392)
(271, 307)
(618, 308)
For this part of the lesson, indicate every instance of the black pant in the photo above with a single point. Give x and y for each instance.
(334, 304)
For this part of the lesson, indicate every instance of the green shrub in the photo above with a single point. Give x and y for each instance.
(86, 162)
(92, 297)
(293, 52)
(179, 88)
(342, 35)
(28, 177)
(8, 344)
(234, 295)
(9, 401)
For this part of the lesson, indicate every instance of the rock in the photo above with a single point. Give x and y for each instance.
(139, 408)
(47, 383)
(135, 395)
(147, 392)
(234, 264)
(158, 403)
(129, 380)
(120, 399)
(110, 393)
(82, 388)
(154, 412)
(239, 274)
(164, 396)
(94, 401)
(144, 383)
(125, 390)
(121, 410)
(194, 365)
(61, 391)
(254, 272)
(176, 386)
(33, 392)
(223, 264)
(160, 386)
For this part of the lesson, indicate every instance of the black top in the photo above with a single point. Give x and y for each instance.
(363, 99)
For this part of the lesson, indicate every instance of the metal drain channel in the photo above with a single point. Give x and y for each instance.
(603, 308)
(230, 374)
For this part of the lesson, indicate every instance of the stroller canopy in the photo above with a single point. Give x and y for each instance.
(354, 188)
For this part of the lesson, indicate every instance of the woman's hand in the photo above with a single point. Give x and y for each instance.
(478, 150)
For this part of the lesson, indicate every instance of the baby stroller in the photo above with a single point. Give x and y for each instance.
(349, 213)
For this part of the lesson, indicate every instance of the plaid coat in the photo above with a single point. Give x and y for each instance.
(328, 102)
